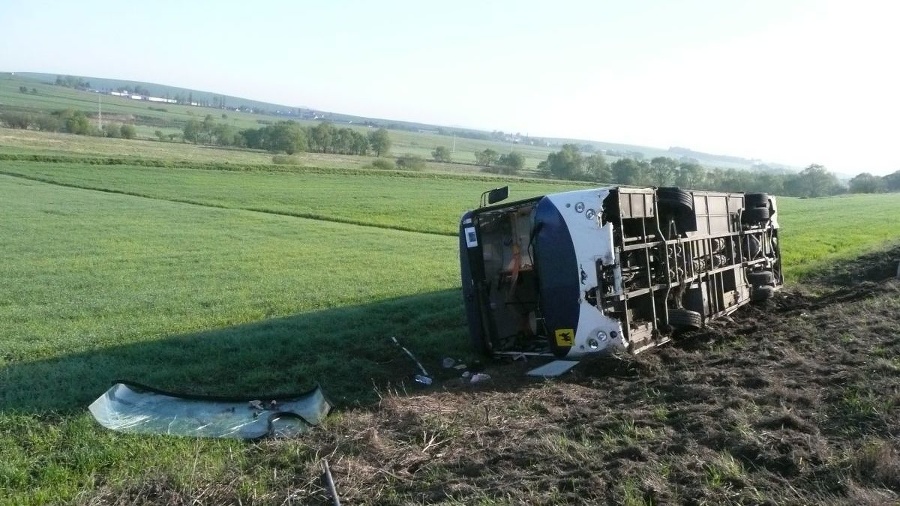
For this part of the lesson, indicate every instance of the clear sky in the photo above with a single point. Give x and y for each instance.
(795, 82)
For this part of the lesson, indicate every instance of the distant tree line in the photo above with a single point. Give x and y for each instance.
(72, 82)
(136, 90)
(813, 181)
(868, 183)
(66, 121)
(492, 161)
(289, 137)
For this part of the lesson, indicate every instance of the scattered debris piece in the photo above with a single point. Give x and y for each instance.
(448, 362)
(328, 480)
(479, 377)
(553, 369)
(423, 378)
(133, 408)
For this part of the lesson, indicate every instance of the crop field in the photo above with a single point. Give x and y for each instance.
(261, 278)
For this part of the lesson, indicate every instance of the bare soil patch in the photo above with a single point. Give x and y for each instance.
(794, 401)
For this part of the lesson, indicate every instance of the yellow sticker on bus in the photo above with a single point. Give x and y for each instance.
(565, 337)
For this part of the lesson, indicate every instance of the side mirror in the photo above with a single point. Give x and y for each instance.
(496, 195)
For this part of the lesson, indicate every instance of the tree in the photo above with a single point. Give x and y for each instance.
(411, 162)
(209, 123)
(867, 183)
(72, 82)
(16, 120)
(360, 144)
(23, 89)
(342, 141)
(441, 154)
(76, 122)
(487, 157)
(128, 132)
(566, 163)
(48, 123)
(597, 169)
(321, 137)
(380, 142)
(767, 182)
(253, 138)
(627, 171)
(286, 136)
(813, 181)
(160, 136)
(223, 134)
(892, 181)
(192, 131)
(662, 170)
(112, 130)
(736, 180)
(511, 163)
(689, 175)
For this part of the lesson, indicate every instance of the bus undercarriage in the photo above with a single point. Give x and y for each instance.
(592, 271)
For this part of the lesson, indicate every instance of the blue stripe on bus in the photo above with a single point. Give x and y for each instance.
(557, 270)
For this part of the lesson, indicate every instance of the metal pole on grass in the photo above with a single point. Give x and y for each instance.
(329, 483)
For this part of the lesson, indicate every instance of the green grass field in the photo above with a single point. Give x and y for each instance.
(404, 201)
(237, 282)
(816, 232)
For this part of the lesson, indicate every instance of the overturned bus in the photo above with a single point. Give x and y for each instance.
(620, 268)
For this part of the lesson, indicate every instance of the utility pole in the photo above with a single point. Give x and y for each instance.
(100, 110)
(453, 149)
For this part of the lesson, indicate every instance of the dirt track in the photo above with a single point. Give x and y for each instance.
(794, 402)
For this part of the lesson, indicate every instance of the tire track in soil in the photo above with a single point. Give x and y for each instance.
(793, 401)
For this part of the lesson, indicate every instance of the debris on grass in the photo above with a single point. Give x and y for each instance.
(423, 378)
(132, 408)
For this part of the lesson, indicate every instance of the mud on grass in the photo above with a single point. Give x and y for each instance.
(796, 401)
